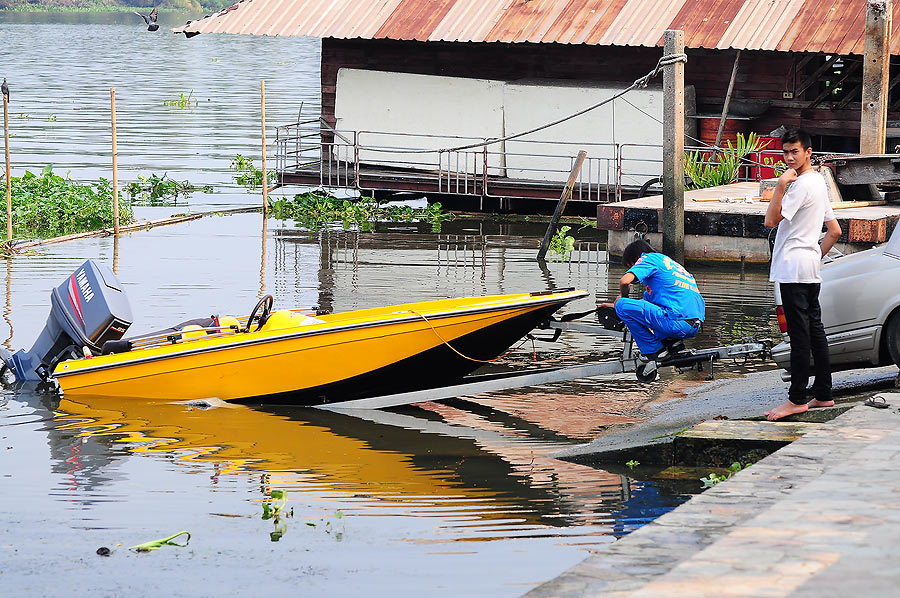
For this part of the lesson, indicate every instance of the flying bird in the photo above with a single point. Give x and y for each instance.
(150, 19)
(4, 89)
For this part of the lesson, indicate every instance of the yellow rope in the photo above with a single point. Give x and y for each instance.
(452, 348)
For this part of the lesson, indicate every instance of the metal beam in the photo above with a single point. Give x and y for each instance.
(566, 374)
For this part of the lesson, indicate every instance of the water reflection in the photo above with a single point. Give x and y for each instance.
(7, 306)
(481, 480)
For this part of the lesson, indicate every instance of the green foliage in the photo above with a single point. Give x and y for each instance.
(706, 169)
(48, 205)
(777, 165)
(561, 244)
(275, 510)
(249, 175)
(155, 190)
(712, 479)
(632, 464)
(317, 209)
(51, 118)
(183, 101)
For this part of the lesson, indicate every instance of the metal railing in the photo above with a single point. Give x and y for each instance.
(522, 168)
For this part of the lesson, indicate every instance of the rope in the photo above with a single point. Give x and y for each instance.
(638, 83)
(821, 159)
(452, 348)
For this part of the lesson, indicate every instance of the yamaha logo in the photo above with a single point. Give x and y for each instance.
(84, 286)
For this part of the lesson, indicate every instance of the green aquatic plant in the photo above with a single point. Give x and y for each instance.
(713, 478)
(317, 209)
(274, 509)
(561, 244)
(159, 190)
(182, 101)
(157, 544)
(47, 205)
(247, 174)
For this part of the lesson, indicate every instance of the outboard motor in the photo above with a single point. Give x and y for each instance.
(86, 310)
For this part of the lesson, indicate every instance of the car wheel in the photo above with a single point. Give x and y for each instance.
(892, 330)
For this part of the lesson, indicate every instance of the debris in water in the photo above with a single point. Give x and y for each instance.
(157, 544)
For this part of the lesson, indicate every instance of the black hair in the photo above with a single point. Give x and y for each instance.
(634, 250)
(794, 135)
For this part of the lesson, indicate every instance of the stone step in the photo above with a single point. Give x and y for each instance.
(767, 431)
(723, 442)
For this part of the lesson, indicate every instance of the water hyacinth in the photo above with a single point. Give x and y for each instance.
(48, 205)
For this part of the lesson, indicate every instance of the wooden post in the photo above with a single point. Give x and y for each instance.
(561, 205)
(876, 73)
(734, 70)
(9, 226)
(673, 149)
(265, 173)
(115, 161)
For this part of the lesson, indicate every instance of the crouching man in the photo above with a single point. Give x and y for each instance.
(672, 308)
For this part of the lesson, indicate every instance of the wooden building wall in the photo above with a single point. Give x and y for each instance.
(763, 77)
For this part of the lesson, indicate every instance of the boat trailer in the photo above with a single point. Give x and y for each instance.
(609, 326)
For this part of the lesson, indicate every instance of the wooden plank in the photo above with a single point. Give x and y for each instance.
(814, 78)
(749, 430)
(876, 74)
(829, 90)
(673, 149)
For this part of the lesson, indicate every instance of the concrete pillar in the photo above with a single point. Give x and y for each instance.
(876, 73)
(673, 149)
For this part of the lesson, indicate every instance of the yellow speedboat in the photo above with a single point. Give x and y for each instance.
(287, 356)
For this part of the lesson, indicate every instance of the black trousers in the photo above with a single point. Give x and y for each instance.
(804, 326)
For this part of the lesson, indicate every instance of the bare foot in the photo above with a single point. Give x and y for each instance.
(818, 403)
(785, 409)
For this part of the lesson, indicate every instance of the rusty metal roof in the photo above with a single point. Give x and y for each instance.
(831, 26)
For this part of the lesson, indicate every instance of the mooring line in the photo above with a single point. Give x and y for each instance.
(452, 348)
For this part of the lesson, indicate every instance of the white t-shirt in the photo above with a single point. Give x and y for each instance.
(796, 256)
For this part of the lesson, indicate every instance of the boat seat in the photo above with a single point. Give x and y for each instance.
(286, 318)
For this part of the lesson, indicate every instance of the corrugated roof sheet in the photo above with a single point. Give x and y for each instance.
(831, 26)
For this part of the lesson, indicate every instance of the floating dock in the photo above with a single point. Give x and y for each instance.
(726, 223)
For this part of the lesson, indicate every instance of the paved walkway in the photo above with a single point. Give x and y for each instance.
(819, 518)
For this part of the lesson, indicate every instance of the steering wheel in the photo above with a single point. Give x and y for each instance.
(263, 308)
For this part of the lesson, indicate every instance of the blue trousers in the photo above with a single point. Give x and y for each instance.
(650, 324)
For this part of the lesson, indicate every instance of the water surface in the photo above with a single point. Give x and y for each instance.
(445, 499)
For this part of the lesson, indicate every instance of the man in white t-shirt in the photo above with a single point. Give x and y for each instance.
(799, 214)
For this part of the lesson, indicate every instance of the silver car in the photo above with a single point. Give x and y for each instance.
(860, 299)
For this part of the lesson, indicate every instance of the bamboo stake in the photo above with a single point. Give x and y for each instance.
(561, 204)
(9, 227)
(115, 162)
(265, 174)
(734, 70)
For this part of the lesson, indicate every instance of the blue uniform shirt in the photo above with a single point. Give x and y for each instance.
(670, 286)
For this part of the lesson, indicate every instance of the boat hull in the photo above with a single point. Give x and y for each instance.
(351, 356)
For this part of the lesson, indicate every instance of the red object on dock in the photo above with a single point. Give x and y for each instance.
(769, 154)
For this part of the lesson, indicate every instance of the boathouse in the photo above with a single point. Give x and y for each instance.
(410, 88)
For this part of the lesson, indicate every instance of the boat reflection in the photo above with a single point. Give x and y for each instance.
(485, 480)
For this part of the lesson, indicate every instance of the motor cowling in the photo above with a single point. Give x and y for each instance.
(89, 308)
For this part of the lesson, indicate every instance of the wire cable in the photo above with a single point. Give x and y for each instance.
(638, 84)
